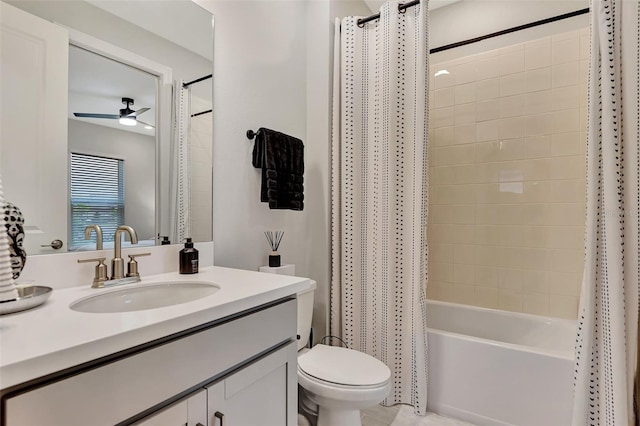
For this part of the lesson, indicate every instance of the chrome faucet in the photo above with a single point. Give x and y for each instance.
(87, 235)
(117, 264)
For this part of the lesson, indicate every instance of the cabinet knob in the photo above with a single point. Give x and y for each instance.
(220, 416)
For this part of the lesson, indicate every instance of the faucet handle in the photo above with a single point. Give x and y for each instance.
(132, 265)
(100, 275)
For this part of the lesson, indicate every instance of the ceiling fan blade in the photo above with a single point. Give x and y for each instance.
(146, 124)
(90, 115)
(138, 112)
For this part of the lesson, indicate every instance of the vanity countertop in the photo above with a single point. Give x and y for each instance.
(53, 337)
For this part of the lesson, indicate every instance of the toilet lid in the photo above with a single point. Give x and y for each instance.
(343, 366)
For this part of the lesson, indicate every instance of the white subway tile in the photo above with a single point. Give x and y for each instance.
(535, 281)
(443, 77)
(488, 110)
(565, 74)
(464, 154)
(488, 68)
(487, 297)
(538, 102)
(539, 124)
(440, 291)
(567, 50)
(563, 306)
(535, 303)
(441, 252)
(486, 276)
(513, 84)
(512, 106)
(512, 62)
(441, 117)
(537, 54)
(464, 114)
(535, 214)
(442, 272)
(565, 144)
(488, 89)
(566, 121)
(444, 97)
(464, 294)
(567, 97)
(465, 93)
(538, 146)
(512, 128)
(464, 234)
(464, 133)
(464, 194)
(510, 300)
(465, 73)
(487, 130)
(538, 79)
(443, 136)
(464, 255)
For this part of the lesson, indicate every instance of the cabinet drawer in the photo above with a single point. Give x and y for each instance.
(119, 390)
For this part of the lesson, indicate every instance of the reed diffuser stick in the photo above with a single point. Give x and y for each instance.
(274, 238)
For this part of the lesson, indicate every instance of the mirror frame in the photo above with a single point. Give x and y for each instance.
(164, 94)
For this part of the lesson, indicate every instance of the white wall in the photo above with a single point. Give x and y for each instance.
(138, 152)
(272, 68)
(474, 18)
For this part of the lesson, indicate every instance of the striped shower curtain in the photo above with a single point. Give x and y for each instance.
(607, 342)
(379, 194)
(180, 175)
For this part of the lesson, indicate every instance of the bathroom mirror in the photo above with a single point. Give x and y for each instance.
(178, 35)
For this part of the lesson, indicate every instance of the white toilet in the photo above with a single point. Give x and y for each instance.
(339, 381)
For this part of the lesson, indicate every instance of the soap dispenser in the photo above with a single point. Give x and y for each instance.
(188, 258)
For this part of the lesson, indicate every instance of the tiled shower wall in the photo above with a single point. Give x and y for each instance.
(507, 176)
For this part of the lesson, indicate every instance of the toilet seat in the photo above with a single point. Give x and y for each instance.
(346, 395)
(343, 367)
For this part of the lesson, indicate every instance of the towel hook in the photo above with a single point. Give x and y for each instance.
(251, 134)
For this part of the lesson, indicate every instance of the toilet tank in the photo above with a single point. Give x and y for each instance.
(305, 314)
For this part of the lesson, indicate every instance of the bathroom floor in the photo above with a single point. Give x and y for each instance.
(402, 415)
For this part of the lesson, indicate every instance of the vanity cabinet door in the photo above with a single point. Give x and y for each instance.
(188, 412)
(263, 393)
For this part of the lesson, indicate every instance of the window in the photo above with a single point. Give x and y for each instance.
(97, 196)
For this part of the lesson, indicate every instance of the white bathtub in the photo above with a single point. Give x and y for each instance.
(491, 367)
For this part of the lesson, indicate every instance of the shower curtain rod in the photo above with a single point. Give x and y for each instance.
(198, 80)
(401, 8)
(511, 30)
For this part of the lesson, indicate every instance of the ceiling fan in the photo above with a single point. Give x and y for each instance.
(127, 116)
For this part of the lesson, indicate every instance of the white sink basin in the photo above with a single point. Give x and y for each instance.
(145, 296)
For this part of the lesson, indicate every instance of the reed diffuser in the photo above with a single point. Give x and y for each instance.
(274, 238)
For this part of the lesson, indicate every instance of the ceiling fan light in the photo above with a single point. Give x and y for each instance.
(128, 121)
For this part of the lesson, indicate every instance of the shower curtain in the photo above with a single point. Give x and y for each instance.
(607, 342)
(379, 194)
(180, 177)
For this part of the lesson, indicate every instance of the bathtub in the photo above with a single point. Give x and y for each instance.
(491, 367)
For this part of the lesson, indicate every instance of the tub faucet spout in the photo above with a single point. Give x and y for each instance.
(117, 264)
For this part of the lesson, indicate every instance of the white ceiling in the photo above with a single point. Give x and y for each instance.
(98, 84)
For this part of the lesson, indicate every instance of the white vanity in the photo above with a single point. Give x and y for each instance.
(225, 359)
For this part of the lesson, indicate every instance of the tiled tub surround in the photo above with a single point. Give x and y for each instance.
(507, 176)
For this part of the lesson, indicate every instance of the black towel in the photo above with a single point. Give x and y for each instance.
(281, 158)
